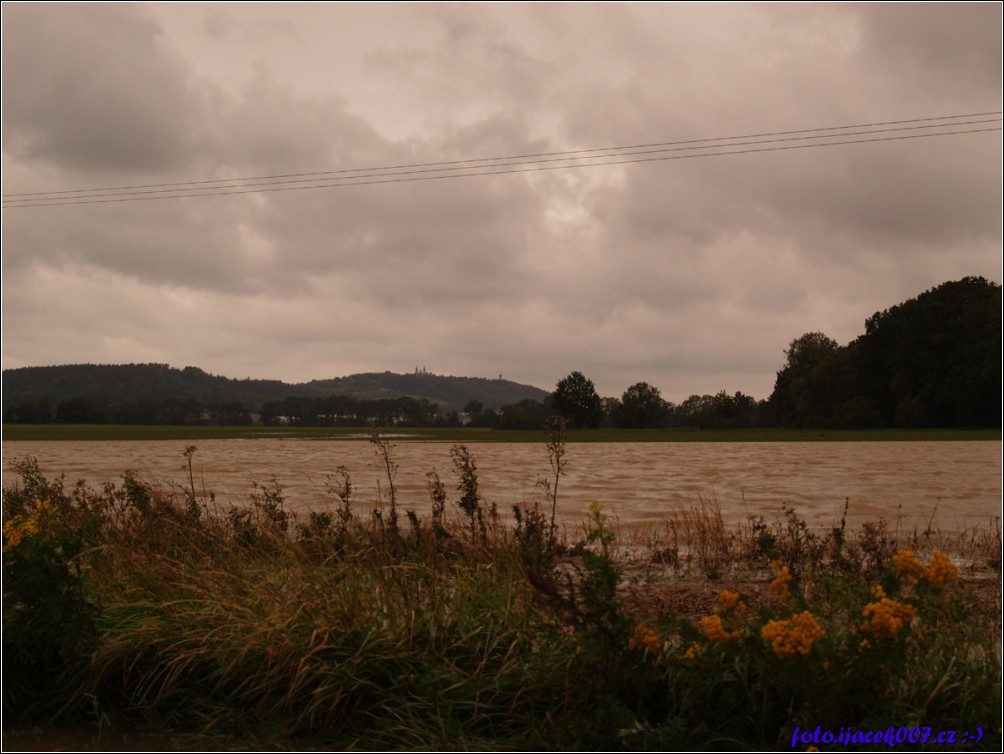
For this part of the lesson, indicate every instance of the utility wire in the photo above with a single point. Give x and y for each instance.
(501, 172)
(222, 190)
(451, 170)
(390, 178)
(166, 192)
(512, 157)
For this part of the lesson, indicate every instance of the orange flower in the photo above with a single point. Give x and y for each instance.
(796, 634)
(781, 585)
(909, 568)
(644, 637)
(942, 570)
(885, 617)
(730, 601)
(714, 629)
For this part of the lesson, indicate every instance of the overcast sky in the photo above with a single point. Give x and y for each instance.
(691, 274)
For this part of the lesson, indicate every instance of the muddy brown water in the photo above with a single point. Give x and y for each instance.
(954, 485)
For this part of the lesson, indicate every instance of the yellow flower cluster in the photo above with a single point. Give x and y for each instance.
(781, 585)
(17, 529)
(885, 617)
(714, 629)
(909, 568)
(797, 634)
(941, 571)
(730, 601)
(644, 637)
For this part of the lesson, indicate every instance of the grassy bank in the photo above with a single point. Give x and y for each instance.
(131, 608)
(51, 432)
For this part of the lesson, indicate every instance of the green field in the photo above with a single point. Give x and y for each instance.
(51, 432)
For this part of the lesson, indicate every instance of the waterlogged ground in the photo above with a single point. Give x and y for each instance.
(954, 485)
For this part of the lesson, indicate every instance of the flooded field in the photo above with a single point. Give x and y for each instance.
(954, 484)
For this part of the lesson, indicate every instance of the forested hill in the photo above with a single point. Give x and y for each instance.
(108, 385)
(100, 391)
(451, 393)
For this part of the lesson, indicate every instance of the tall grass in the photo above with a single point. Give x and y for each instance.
(136, 606)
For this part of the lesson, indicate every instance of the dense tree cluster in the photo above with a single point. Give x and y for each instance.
(83, 410)
(932, 361)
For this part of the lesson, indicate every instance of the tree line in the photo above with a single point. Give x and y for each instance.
(932, 361)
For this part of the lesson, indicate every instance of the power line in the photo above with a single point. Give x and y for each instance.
(502, 172)
(389, 178)
(404, 174)
(514, 157)
(452, 167)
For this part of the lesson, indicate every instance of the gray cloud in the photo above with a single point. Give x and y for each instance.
(89, 89)
(956, 47)
(690, 274)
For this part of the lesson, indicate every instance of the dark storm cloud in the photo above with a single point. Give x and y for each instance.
(91, 89)
(957, 46)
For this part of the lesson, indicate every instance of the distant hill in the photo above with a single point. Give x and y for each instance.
(100, 387)
(451, 393)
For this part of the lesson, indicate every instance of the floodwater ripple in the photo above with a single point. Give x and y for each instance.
(955, 484)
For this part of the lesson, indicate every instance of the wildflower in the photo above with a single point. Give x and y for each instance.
(781, 585)
(885, 617)
(17, 529)
(730, 601)
(942, 570)
(595, 509)
(12, 532)
(693, 651)
(796, 634)
(908, 566)
(714, 629)
(644, 637)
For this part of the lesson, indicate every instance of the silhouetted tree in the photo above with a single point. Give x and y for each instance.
(576, 400)
(641, 407)
(805, 390)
